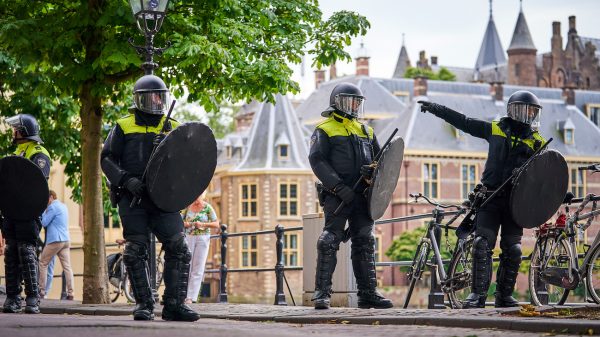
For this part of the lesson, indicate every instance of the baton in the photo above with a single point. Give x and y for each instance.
(377, 157)
(516, 172)
(136, 200)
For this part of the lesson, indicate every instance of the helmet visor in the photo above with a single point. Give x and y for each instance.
(350, 104)
(525, 113)
(153, 102)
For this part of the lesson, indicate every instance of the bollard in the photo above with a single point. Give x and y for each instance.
(436, 295)
(279, 294)
(222, 298)
(63, 290)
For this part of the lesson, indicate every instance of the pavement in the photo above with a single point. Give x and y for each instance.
(488, 318)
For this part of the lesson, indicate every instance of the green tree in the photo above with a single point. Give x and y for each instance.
(404, 247)
(79, 70)
(442, 75)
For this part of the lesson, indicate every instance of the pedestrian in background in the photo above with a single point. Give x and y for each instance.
(198, 219)
(56, 221)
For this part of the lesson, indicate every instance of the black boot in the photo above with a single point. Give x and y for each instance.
(176, 274)
(29, 270)
(481, 274)
(12, 270)
(363, 264)
(135, 257)
(327, 247)
(508, 270)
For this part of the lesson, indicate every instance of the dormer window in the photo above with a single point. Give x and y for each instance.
(567, 128)
(282, 151)
(282, 146)
(228, 151)
(569, 136)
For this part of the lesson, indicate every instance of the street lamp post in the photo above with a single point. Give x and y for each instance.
(149, 16)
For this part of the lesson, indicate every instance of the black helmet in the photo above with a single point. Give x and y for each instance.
(27, 126)
(151, 95)
(346, 98)
(524, 107)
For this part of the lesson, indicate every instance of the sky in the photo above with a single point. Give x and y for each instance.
(452, 30)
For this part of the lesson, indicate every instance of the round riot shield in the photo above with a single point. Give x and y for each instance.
(182, 166)
(539, 190)
(24, 189)
(385, 178)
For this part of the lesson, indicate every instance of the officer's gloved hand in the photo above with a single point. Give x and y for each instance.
(135, 186)
(345, 193)
(568, 197)
(427, 106)
(158, 138)
(367, 171)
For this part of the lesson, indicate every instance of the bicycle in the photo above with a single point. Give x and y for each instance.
(119, 278)
(455, 283)
(555, 269)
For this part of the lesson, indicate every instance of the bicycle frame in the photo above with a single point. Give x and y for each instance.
(435, 224)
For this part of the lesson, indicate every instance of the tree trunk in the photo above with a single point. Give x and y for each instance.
(95, 277)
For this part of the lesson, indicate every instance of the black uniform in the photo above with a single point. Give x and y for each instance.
(340, 146)
(511, 143)
(124, 157)
(22, 236)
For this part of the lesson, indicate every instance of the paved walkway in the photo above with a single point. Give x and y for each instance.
(473, 319)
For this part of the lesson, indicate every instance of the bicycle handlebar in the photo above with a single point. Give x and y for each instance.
(419, 196)
(593, 167)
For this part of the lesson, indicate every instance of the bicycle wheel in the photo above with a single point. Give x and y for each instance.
(127, 289)
(114, 291)
(593, 274)
(458, 285)
(558, 259)
(160, 265)
(416, 269)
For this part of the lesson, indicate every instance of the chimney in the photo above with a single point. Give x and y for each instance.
(556, 41)
(332, 72)
(319, 77)
(572, 29)
(434, 60)
(568, 94)
(362, 61)
(423, 63)
(497, 91)
(420, 86)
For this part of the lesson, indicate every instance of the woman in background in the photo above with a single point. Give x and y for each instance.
(198, 219)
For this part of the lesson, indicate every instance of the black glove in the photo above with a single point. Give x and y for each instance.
(135, 186)
(367, 171)
(568, 197)
(345, 193)
(426, 106)
(158, 138)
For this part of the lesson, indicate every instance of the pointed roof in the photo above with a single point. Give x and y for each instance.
(403, 62)
(491, 53)
(273, 125)
(521, 37)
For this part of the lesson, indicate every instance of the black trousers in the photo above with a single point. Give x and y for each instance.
(21, 230)
(139, 221)
(495, 216)
(360, 223)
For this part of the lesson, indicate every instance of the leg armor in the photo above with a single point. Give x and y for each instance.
(481, 274)
(510, 260)
(29, 270)
(12, 270)
(176, 275)
(327, 247)
(135, 257)
(363, 264)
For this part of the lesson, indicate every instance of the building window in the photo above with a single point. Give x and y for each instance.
(228, 151)
(569, 136)
(431, 178)
(378, 248)
(468, 178)
(248, 200)
(517, 69)
(291, 252)
(577, 183)
(593, 112)
(249, 251)
(282, 152)
(288, 199)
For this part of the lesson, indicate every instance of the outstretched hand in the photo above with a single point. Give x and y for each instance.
(425, 105)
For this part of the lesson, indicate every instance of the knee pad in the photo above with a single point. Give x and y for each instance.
(176, 248)
(513, 253)
(481, 247)
(134, 252)
(328, 242)
(363, 247)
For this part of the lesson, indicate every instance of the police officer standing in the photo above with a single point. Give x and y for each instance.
(20, 258)
(124, 157)
(341, 150)
(512, 140)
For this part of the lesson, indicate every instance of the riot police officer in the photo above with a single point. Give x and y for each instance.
(124, 157)
(512, 140)
(20, 259)
(341, 150)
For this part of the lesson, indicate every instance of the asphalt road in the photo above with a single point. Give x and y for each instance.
(22, 325)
